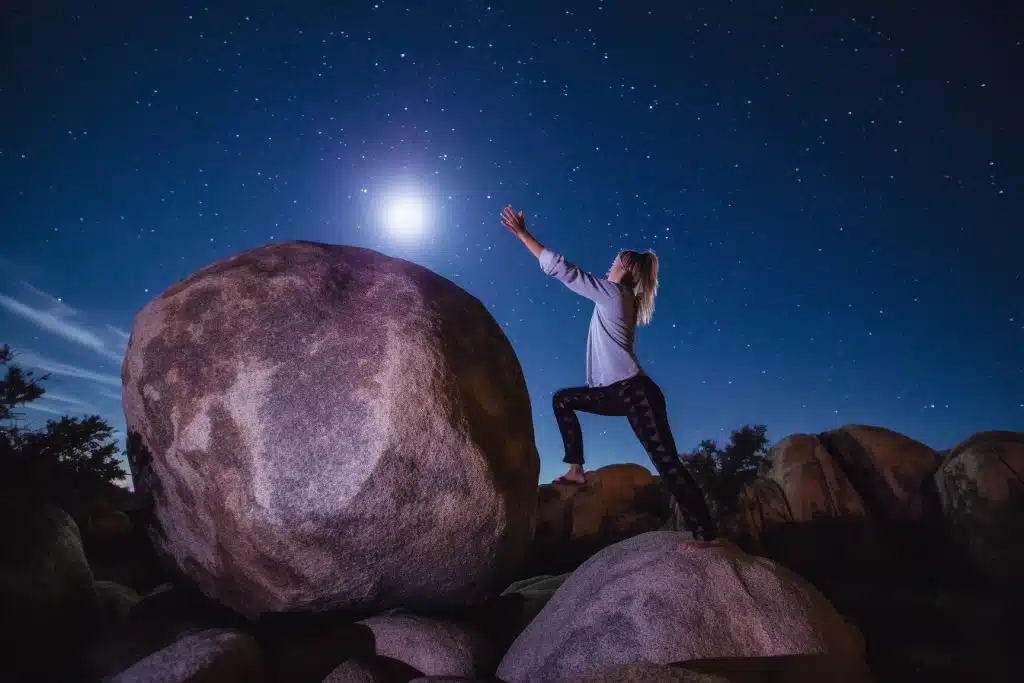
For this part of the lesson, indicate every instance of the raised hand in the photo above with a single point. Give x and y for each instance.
(515, 222)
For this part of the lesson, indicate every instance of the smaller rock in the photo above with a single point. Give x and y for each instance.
(663, 598)
(540, 587)
(574, 522)
(647, 673)
(535, 593)
(155, 622)
(169, 602)
(210, 656)
(372, 670)
(119, 549)
(307, 648)
(116, 601)
(432, 647)
(610, 492)
(794, 668)
(109, 526)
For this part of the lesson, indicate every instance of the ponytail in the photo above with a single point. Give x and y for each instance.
(643, 276)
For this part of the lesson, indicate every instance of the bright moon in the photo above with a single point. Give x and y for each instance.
(406, 217)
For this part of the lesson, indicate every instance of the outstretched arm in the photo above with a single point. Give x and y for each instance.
(578, 280)
(516, 224)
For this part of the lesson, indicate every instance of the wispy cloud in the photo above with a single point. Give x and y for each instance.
(58, 368)
(44, 409)
(70, 400)
(56, 305)
(55, 316)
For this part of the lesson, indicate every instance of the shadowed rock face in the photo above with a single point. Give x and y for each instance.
(648, 673)
(981, 487)
(856, 471)
(46, 588)
(656, 599)
(892, 472)
(851, 500)
(762, 504)
(319, 427)
(812, 481)
(574, 522)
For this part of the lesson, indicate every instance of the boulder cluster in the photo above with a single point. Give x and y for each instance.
(869, 495)
(335, 468)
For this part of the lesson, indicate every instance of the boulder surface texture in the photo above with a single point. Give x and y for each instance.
(317, 427)
(659, 598)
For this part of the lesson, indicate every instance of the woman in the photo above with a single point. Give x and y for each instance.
(616, 384)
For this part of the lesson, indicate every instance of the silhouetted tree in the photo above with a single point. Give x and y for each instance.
(71, 454)
(723, 471)
(17, 388)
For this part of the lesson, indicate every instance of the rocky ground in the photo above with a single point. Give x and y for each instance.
(337, 481)
(920, 610)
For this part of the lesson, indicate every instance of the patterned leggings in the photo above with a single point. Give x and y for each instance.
(640, 400)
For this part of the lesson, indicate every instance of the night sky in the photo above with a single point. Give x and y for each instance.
(834, 190)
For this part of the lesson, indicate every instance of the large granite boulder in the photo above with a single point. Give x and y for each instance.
(318, 427)
(847, 501)
(804, 511)
(981, 486)
(855, 471)
(659, 598)
(812, 480)
(892, 472)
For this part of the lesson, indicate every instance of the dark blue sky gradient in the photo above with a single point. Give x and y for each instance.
(834, 193)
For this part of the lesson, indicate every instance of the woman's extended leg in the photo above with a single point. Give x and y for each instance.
(647, 416)
(597, 400)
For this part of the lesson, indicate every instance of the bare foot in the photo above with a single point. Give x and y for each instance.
(575, 475)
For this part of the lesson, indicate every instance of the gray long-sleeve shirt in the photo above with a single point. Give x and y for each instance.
(610, 355)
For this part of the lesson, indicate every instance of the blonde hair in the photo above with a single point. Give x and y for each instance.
(642, 269)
